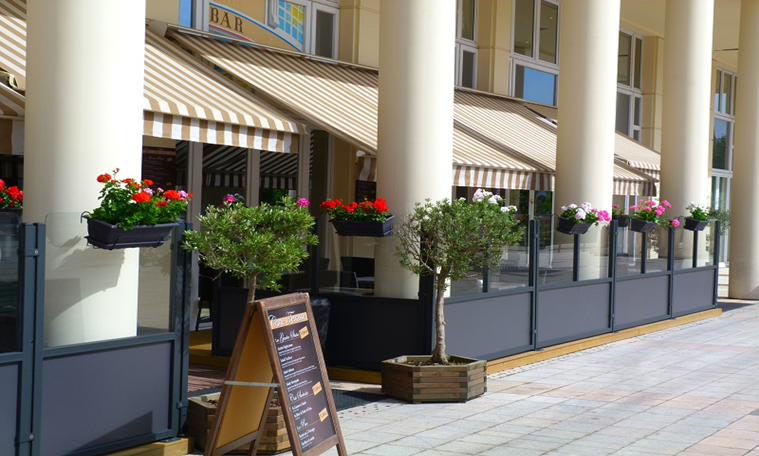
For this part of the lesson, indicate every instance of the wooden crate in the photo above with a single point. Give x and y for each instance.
(201, 412)
(459, 382)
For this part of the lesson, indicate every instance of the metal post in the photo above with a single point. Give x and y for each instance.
(644, 252)
(671, 270)
(613, 237)
(695, 249)
(717, 243)
(533, 244)
(576, 259)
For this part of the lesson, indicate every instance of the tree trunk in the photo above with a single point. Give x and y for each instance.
(438, 353)
(252, 288)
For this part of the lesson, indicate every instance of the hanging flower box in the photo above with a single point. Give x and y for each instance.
(369, 229)
(567, 226)
(695, 225)
(109, 237)
(642, 226)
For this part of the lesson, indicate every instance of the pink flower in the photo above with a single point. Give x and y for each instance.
(675, 223)
(302, 202)
(634, 208)
(228, 199)
(665, 203)
(646, 209)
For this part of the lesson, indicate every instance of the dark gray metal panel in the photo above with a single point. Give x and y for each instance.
(573, 312)
(633, 306)
(489, 328)
(8, 408)
(98, 398)
(693, 291)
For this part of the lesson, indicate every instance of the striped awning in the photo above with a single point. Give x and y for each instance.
(13, 39)
(342, 99)
(185, 100)
(626, 149)
(12, 103)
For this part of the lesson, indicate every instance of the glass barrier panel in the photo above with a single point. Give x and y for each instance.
(656, 256)
(10, 307)
(628, 252)
(707, 241)
(556, 254)
(471, 284)
(683, 249)
(515, 268)
(94, 294)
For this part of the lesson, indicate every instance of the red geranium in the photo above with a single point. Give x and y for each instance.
(366, 211)
(10, 196)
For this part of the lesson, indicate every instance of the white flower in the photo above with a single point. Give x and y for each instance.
(580, 214)
(563, 208)
(493, 200)
(572, 206)
(479, 195)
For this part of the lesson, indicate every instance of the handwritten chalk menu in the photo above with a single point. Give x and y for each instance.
(306, 397)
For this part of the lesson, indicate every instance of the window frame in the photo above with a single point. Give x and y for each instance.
(536, 34)
(633, 92)
(465, 44)
(309, 29)
(533, 66)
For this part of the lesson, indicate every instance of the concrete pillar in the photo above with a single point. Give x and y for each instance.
(415, 119)
(744, 242)
(589, 39)
(686, 104)
(84, 118)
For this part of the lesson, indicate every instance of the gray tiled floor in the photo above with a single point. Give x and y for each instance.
(690, 390)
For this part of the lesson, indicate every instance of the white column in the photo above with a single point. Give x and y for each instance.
(84, 118)
(414, 162)
(744, 242)
(686, 103)
(587, 102)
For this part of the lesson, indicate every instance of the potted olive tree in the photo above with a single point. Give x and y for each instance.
(257, 244)
(447, 240)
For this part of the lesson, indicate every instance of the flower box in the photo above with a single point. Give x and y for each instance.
(642, 226)
(695, 225)
(358, 228)
(623, 221)
(109, 237)
(404, 378)
(567, 226)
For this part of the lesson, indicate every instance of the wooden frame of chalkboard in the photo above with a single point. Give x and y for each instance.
(296, 358)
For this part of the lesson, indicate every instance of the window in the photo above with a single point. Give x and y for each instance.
(629, 93)
(308, 26)
(722, 148)
(466, 43)
(531, 41)
(535, 48)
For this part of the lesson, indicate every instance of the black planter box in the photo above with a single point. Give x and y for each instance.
(695, 225)
(368, 229)
(107, 236)
(567, 226)
(642, 226)
(623, 221)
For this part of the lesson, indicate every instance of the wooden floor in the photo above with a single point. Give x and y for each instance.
(203, 377)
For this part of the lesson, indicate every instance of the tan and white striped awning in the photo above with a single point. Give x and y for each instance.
(12, 103)
(185, 100)
(13, 39)
(626, 149)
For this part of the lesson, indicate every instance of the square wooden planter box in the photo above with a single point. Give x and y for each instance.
(201, 412)
(454, 383)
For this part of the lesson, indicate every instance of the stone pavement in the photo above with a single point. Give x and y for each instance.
(689, 390)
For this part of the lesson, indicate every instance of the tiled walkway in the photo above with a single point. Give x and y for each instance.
(689, 390)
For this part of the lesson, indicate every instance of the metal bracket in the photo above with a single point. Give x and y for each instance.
(236, 383)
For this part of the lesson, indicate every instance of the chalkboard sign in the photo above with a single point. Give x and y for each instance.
(305, 394)
(292, 358)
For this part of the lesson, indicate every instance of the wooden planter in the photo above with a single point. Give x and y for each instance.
(452, 383)
(201, 413)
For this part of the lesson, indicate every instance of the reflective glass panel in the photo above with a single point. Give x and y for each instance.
(524, 11)
(324, 37)
(717, 84)
(467, 68)
(721, 143)
(467, 19)
(623, 113)
(535, 85)
(727, 85)
(624, 58)
(549, 30)
(638, 66)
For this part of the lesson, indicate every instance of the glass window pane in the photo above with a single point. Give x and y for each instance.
(468, 60)
(636, 113)
(717, 84)
(549, 28)
(467, 19)
(735, 97)
(325, 34)
(535, 85)
(524, 11)
(10, 317)
(727, 84)
(721, 141)
(638, 67)
(636, 135)
(623, 113)
(623, 59)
